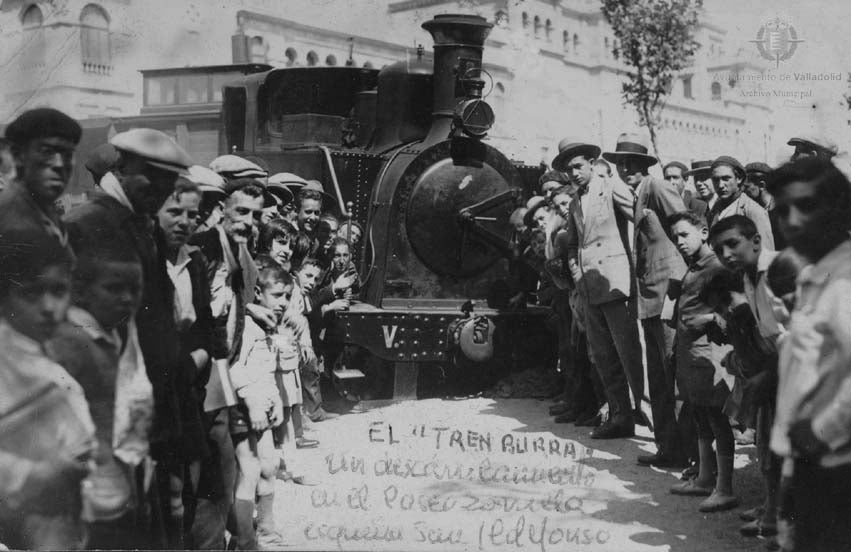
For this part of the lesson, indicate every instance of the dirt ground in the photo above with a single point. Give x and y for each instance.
(491, 474)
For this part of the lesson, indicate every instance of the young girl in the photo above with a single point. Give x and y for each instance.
(699, 372)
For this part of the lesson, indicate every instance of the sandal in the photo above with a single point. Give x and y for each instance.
(691, 488)
(718, 503)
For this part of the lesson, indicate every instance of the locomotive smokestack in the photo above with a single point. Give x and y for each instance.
(458, 44)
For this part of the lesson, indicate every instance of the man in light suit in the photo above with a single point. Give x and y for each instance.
(598, 258)
(657, 261)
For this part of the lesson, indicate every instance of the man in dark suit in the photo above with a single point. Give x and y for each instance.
(675, 175)
(120, 215)
(599, 261)
(656, 262)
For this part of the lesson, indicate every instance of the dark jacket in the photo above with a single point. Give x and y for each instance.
(695, 205)
(102, 221)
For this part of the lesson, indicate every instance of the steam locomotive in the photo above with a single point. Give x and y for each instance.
(401, 150)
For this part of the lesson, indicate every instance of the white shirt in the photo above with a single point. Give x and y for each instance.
(134, 394)
(184, 309)
(815, 359)
(762, 301)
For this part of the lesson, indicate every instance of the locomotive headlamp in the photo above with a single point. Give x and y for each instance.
(475, 117)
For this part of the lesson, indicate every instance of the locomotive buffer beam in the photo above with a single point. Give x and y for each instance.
(471, 220)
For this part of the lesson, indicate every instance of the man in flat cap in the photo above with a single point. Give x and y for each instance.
(675, 174)
(755, 178)
(657, 261)
(121, 213)
(812, 146)
(728, 178)
(598, 259)
(43, 143)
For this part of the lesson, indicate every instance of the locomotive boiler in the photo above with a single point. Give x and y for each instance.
(402, 151)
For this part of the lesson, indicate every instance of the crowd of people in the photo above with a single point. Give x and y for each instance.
(163, 343)
(737, 284)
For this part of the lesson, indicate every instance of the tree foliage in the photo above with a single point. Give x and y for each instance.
(655, 38)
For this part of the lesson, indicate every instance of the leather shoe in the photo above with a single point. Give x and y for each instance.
(591, 421)
(559, 409)
(567, 417)
(662, 461)
(614, 429)
(304, 443)
(323, 415)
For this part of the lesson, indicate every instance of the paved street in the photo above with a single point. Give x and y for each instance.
(491, 474)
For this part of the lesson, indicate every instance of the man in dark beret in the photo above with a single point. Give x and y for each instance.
(755, 178)
(42, 143)
(675, 175)
(728, 178)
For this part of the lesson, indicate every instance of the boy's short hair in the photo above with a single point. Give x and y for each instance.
(272, 230)
(302, 247)
(782, 274)
(184, 186)
(695, 220)
(554, 176)
(831, 184)
(91, 260)
(719, 287)
(329, 216)
(745, 226)
(339, 240)
(309, 261)
(308, 194)
(27, 253)
(270, 272)
(564, 190)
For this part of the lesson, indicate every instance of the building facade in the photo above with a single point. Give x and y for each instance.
(552, 73)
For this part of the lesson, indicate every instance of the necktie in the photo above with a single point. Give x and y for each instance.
(249, 273)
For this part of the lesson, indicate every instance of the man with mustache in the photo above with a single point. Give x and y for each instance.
(120, 215)
(232, 276)
(42, 142)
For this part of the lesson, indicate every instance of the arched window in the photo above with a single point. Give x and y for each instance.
(292, 56)
(549, 29)
(257, 50)
(525, 20)
(331, 60)
(537, 25)
(565, 40)
(606, 45)
(32, 17)
(716, 90)
(94, 39)
(575, 43)
(312, 58)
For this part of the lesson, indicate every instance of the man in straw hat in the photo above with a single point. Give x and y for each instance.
(599, 263)
(657, 261)
(701, 175)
